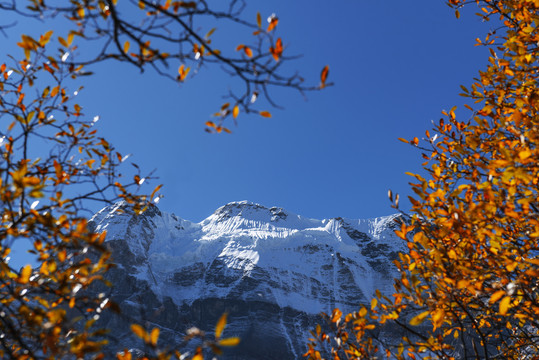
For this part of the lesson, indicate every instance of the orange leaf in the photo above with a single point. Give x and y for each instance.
(496, 296)
(62, 41)
(25, 274)
(154, 336)
(265, 114)
(44, 39)
(336, 315)
(273, 23)
(323, 76)
(504, 305)
(524, 154)
(232, 341)
(259, 20)
(417, 320)
(183, 71)
(138, 330)
(278, 50)
(235, 111)
(220, 326)
(54, 91)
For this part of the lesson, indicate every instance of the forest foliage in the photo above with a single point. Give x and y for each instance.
(55, 167)
(469, 283)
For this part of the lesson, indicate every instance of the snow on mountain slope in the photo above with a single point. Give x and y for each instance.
(250, 252)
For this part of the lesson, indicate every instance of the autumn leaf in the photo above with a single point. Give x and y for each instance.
(277, 51)
(25, 274)
(139, 331)
(183, 71)
(418, 319)
(220, 326)
(273, 21)
(323, 76)
(232, 341)
(154, 336)
(504, 305)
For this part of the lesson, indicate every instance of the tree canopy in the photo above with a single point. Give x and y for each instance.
(54, 164)
(469, 282)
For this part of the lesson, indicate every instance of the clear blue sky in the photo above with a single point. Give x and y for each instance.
(395, 66)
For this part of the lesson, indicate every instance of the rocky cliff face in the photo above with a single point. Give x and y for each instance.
(271, 270)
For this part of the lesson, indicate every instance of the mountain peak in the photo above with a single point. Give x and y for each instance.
(249, 211)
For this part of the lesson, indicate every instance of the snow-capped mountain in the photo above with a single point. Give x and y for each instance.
(273, 272)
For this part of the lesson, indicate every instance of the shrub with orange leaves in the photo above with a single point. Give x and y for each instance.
(469, 285)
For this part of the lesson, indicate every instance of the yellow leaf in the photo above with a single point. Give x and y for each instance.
(70, 37)
(139, 331)
(496, 296)
(362, 312)
(504, 305)
(374, 302)
(154, 336)
(235, 111)
(438, 317)
(220, 326)
(44, 39)
(524, 154)
(231, 341)
(265, 114)
(210, 33)
(528, 29)
(80, 12)
(126, 47)
(417, 320)
(25, 274)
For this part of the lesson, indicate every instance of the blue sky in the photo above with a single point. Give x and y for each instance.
(396, 65)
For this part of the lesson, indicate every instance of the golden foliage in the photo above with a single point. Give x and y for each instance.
(469, 283)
